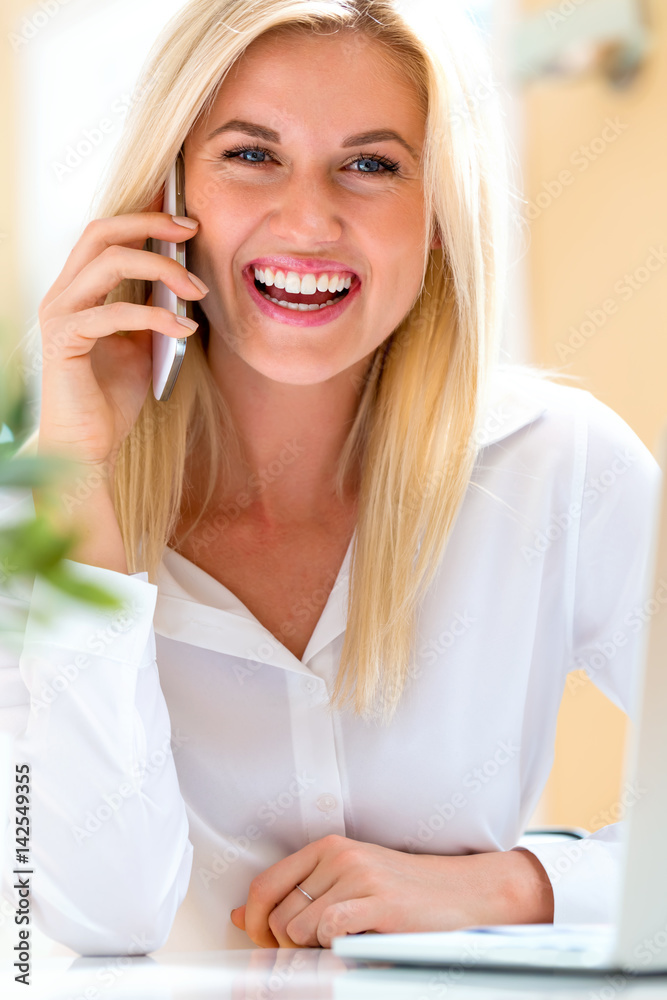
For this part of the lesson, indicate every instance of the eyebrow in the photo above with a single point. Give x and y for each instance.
(269, 135)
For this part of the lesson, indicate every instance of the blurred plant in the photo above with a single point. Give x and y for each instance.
(35, 545)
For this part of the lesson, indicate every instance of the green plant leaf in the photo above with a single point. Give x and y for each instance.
(88, 592)
(35, 546)
(36, 471)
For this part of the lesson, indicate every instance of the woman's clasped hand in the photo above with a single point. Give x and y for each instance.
(360, 887)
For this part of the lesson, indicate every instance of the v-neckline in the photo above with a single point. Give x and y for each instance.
(203, 588)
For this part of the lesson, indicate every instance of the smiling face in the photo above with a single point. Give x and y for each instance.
(307, 191)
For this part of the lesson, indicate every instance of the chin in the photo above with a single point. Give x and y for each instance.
(293, 371)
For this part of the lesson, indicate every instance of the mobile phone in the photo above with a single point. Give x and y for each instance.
(168, 352)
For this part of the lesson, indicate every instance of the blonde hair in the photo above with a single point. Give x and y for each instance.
(413, 436)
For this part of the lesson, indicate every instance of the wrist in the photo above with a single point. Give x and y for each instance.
(528, 892)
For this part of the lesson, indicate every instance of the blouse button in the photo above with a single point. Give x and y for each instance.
(326, 803)
(310, 685)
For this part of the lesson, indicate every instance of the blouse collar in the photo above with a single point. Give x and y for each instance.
(195, 608)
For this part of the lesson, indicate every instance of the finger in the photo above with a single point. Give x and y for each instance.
(237, 917)
(281, 916)
(132, 230)
(94, 282)
(294, 921)
(73, 334)
(351, 916)
(272, 886)
(283, 940)
(297, 920)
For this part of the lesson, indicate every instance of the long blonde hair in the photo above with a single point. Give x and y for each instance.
(413, 435)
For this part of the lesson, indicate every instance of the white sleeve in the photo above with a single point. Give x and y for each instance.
(109, 841)
(612, 596)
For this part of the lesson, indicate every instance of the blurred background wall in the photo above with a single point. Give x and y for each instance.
(597, 267)
(587, 291)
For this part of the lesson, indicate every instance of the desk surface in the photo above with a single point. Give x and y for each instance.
(298, 974)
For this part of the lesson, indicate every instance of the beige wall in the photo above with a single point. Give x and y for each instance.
(599, 229)
(10, 305)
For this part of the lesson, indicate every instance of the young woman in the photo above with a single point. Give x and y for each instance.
(358, 558)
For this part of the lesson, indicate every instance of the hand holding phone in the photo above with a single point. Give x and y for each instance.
(94, 383)
(168, 353)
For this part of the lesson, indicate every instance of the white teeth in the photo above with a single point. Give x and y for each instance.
(304, 284)
(292, 283)
(302, 306)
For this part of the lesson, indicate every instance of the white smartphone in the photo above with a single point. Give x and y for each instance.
(168, 352)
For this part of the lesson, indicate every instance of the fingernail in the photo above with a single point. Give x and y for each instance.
(185, 321)
(198, 282)
(182, 220)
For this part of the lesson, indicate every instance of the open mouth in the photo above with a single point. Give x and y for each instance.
(298, 301)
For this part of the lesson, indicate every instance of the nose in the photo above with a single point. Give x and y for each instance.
(306, 213)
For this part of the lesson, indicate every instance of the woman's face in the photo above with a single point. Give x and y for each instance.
(313, 197)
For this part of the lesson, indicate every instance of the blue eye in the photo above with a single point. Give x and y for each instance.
(383, 165)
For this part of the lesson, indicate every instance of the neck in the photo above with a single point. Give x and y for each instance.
(291, 437)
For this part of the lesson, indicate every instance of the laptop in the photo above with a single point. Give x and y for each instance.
(637, 940)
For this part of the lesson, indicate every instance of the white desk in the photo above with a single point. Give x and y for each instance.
(297, 974)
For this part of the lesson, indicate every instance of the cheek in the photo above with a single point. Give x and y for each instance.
(227, 223)
(220, 207)
(212, 250)
(224, 228)
(397, 268)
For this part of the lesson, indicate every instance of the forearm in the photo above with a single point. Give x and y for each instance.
(85, 505)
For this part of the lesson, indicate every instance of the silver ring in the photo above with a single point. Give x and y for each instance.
(305, 893)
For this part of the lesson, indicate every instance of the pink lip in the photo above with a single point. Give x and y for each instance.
(307, 265)
(293, 317)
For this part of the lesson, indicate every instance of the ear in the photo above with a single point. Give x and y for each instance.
(436, 244)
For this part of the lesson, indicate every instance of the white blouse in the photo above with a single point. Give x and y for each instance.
(178, 749)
